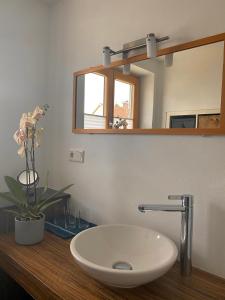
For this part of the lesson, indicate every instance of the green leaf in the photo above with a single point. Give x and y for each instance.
(45, 188)
(8, 197)
(42, 203)
(16, 189)
(12, 211)
(18, 197)
(47, 205)
(46, 182)
(32, 214)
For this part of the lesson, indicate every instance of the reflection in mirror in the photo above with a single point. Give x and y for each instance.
(125, 99)
(180, 91)
(90, 104)
(123, 103)
(185, 93)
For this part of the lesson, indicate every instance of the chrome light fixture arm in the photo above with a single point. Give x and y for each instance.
(150, 42)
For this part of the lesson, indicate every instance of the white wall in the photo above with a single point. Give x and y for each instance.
(158, 69)
(121, 171)
(23, 73)
(146, 100)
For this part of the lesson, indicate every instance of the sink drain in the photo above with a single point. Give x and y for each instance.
(121, 265)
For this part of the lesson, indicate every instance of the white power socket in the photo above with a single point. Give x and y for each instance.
(76, 155)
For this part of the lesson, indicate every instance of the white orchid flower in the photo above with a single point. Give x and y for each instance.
(27, 121)
(28, 135)
(38, 113)
(19, 136)
(21, 151)
(38, 137)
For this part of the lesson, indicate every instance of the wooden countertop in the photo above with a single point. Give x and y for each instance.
(48, 271)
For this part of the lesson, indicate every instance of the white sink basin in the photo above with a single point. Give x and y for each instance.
(142, 254)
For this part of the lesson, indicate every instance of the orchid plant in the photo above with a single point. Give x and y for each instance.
(28, 137)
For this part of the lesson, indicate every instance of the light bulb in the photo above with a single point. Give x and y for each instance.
(168, 60)
(106, 57)
(151, 45)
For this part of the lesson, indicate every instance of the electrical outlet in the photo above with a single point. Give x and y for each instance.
(76, 155)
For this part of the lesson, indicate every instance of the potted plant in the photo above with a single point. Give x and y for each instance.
(29, 217)
(28, 205)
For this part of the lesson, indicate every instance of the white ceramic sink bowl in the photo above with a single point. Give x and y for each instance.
(149, 254)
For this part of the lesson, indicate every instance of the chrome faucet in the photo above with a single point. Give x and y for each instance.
(186, 209)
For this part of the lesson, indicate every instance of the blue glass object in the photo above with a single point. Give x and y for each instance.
(70, 230)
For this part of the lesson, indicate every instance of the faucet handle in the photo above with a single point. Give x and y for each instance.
(187, 200)
(175, 197)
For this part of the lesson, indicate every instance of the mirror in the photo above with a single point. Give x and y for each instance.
(182, 90)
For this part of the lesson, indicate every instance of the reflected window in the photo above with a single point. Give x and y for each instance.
(94, 104)
(123, 108)
(106, 98)
(94, 94)
(123, 100)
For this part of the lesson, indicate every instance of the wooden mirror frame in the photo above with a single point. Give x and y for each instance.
(163, 131)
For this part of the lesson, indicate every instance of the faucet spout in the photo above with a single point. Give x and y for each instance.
(160, 207)
(186, 209)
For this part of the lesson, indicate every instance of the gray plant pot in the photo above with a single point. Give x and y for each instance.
(29, 232)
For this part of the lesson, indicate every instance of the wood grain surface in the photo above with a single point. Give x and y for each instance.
(48, 271)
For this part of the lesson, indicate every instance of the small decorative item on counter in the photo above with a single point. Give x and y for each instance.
(28, 206)
(70, 230)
